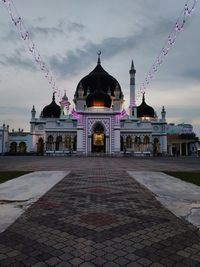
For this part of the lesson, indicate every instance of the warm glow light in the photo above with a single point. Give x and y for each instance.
(98, 139)
(98, 104)
(145, 118)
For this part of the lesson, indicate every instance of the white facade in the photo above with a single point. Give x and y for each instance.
(92, 128)
(4, 139)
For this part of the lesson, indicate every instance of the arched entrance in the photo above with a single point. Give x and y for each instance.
(98, 139)
(22, 147)
(156, 147)
(40, 146)
(59, 143)
(13, 147)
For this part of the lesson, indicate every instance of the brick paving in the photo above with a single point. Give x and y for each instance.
(99, 218)
(39, 163)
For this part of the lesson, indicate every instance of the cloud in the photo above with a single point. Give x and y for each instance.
(74, 61)
(192, 73)
(39, 19)
(46, 31)
(75, 27)
(17, 61)
(63, 27)
(14, 110)
(183, 112)
(11, 36)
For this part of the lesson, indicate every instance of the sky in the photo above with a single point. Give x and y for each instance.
(68, 35)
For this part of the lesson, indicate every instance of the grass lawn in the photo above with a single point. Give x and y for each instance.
(191, 177)
(5, 176)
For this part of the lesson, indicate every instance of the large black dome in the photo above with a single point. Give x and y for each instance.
(98, 99)
(98, 80)
(52, 110)
(144, 110)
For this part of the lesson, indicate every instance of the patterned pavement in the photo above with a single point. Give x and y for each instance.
(99, 218)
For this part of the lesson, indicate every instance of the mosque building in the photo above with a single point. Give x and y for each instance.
(97, 124)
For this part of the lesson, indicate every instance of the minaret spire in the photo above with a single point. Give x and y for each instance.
(132, 73)
(132, 65)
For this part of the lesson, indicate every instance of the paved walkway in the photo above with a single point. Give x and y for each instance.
(99, 218)
(39, 163)
(18, 194)
(181, 198)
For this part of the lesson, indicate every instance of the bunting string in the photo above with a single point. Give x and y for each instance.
(32, 48)
(189, 7)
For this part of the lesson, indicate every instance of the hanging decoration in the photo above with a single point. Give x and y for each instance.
(24, 34)
(170, 41)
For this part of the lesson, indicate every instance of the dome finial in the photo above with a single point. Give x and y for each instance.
(143, 97)
(53, 98)
(99, 58)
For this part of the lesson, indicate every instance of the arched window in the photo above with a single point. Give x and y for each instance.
(13, 147)
(146, 140)
(50, 142)
(58, 142)
(22, 147)
(137, 140)
(128, 142)
(156, 146)
(50, 139)
(121, 143)
(75, 143)
(40, 146)
(68, 141)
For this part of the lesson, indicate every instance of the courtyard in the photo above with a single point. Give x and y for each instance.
(40, 163)
(98, 214)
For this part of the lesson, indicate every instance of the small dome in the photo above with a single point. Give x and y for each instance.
(98, 99)
(52, 110)
(143, 110)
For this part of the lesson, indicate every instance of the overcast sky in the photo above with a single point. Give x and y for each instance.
(68, 34)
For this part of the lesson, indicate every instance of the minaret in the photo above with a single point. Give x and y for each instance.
(163, 114)
(33, 112)
(64, 104)
(132, 89)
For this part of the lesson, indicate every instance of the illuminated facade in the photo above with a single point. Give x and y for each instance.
(98, 124)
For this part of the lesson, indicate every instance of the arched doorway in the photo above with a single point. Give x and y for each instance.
(98, 139)
(13, 147)
(122, 143)
(22, 147)
(137, 144)
(40, 146)
(129, 142)
(50, 144)
(68, 141)
(75, 143)
(59, 143)
(156, 147)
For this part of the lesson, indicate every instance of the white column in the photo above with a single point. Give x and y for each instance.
(80, 140)
(186, 149)
(180, 146)
(117, 140)
(107, 144)
(89, 143)
(171, 151)
(164, 146)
